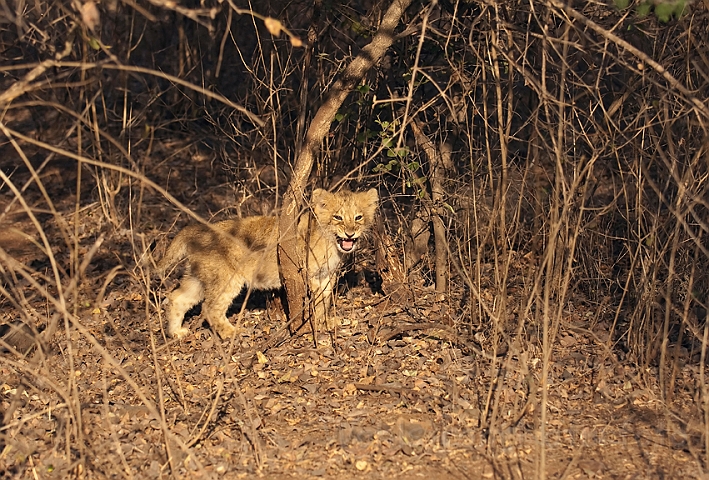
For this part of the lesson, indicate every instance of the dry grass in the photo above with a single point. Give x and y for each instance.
(559, 154)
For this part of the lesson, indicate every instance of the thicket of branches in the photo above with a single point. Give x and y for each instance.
(553, 153)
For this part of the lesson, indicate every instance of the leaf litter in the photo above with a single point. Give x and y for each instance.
(408, 388)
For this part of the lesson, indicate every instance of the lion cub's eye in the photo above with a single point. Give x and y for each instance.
(358, 218)
(337, 217)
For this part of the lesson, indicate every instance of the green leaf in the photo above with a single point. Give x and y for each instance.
(387, 142)
(359, 29)
(93, 43)
(413, 166)
(621, 4)
(681, 8)
(391, 153)
(363, 88)
(664, 11)
(339, 116)
(644, 8)
(402, 152)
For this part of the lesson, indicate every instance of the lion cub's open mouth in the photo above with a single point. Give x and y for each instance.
(346, 244)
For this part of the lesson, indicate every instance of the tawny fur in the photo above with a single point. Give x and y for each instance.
(227, 256)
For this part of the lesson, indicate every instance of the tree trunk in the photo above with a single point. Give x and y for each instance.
(436, 176)
(292, 261)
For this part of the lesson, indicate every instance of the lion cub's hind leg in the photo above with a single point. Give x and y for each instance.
(218, 299)
(190, 293)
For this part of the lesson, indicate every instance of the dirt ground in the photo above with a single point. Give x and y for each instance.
(408, 388)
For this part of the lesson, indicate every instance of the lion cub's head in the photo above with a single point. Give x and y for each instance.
(347, 215)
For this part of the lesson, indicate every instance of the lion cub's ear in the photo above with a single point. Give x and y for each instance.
(320, 197)
(372, 196)
(316, 195)
(367, 203)
(319, 200)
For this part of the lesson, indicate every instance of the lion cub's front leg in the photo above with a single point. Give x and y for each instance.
(322, 298)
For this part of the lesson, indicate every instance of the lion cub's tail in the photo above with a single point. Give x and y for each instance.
(176, 251)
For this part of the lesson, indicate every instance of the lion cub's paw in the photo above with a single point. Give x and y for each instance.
(179, 333)
(225, 330)
(332, 322)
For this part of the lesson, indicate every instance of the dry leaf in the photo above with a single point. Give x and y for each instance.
(368, 380)
(288, 377)
(349, 389)
(273, 26)
(296, 42)
(90, 15)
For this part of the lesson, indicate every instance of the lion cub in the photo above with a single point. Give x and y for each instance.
(224, 257)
